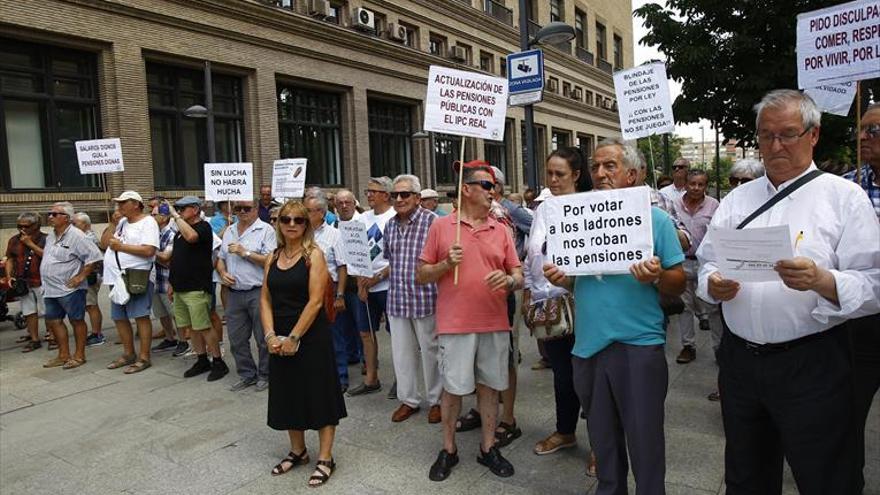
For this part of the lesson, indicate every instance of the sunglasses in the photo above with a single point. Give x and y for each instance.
(273, 219)
(488, 185)
(24, 227)
(402, 195)
(288, 220)
(243, 209)
(679, 167)
(735, 181)
(55, 214)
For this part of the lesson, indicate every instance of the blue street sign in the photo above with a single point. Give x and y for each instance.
(525, 72)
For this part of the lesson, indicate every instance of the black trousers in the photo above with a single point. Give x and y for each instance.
(865, 342)
(624, 386)
(568, 407)
(794, 403)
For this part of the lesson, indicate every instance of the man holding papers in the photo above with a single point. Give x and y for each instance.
(785, 371)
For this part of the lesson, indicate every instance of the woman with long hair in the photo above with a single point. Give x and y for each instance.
(304, 392)
(566, 173)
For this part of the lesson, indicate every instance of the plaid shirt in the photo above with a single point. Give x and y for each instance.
(869, 184)
(166, 237)
(27, 262)
(403, 245)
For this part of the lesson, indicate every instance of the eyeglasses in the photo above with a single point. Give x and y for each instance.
(55, 214)
(401, 194)
(243, 209)
(871, 131)
(784, 139)
(374, 191)
(488, 185)
(735, 181)
(679, 167)
(24, 227)
(288, 220)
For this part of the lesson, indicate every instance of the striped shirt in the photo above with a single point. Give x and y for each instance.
(403, 245)
(63, 258)
(869, 184)
(166, 236)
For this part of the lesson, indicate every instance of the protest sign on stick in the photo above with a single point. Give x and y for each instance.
(465, 104)
(289, 178)
(599, 232)
(229, 182)
(834, 98)
(839, 44)
(99, 156)
(643, 102)
(355, 248)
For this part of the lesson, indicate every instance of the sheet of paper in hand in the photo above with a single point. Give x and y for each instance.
(599, 232)
(749, 255)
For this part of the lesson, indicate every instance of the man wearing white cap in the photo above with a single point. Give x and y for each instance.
(430, 201)
(131, 240)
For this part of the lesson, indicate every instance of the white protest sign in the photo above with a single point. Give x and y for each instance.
(355, 248)
(465, 103)
(289, 178)
(599, 232)
(99, 156)
(229, 182)
(834, 98)
(643, 102)
(839, 44)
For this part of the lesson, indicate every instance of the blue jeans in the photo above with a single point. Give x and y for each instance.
(138, 306)
(73, 306)
(346, 340)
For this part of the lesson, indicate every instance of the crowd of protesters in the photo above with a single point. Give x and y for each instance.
(797, 358)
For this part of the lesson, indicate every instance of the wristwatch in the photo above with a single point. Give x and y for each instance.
(247, 254)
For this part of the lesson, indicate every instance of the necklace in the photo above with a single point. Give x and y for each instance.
(292, 255)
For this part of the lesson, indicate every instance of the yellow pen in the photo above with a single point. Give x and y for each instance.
(797, 240)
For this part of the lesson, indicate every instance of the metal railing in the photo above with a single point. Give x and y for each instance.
(604, 65)
(499, 11)
(585, 55)
(534, 27)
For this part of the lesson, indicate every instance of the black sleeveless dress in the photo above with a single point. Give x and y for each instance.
(304, 392)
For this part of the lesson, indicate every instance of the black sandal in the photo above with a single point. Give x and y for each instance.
(293, 459)
(321, 476)
(508, 433)
(469, 421)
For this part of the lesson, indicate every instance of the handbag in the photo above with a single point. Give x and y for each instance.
(551, 318)
(136, 279)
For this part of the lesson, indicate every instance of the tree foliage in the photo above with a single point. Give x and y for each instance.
(728, 54)
(656, 146)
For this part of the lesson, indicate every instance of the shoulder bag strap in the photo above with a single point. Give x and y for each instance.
(779, 197)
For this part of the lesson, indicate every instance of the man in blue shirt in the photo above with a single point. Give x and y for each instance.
(620, 371)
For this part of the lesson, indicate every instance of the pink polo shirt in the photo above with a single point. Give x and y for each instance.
(470, 306)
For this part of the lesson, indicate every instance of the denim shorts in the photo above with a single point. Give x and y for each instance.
(73, 306)
(138, 306)
(368, 319)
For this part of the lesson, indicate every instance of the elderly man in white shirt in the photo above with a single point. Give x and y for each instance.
(246, 245)
(785, 371)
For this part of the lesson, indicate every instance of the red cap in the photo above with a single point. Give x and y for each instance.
(456, 165)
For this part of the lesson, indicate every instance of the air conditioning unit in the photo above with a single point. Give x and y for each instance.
(363, 19)
(552, 85)
(396, 32)
(457, 53)
(319, 8)
(577, 94)
(299, 6)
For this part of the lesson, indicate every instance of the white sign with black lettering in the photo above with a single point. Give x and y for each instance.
(99, 156)
(355, 248)
(465, 103)
(643, 102)
(599, 232)
(229, 182)
(289, 178)
(839, 44)
(834, 98)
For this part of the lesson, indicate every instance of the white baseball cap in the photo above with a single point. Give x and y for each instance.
(127, 195)
(429, 194)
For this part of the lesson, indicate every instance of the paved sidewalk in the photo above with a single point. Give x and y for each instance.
(95, 431)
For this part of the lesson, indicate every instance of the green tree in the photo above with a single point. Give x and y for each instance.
(727, 55)
(656, 145)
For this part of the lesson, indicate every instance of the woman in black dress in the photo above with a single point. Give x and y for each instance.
(304, 392)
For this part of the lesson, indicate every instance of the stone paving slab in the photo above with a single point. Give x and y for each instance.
(95, 431)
